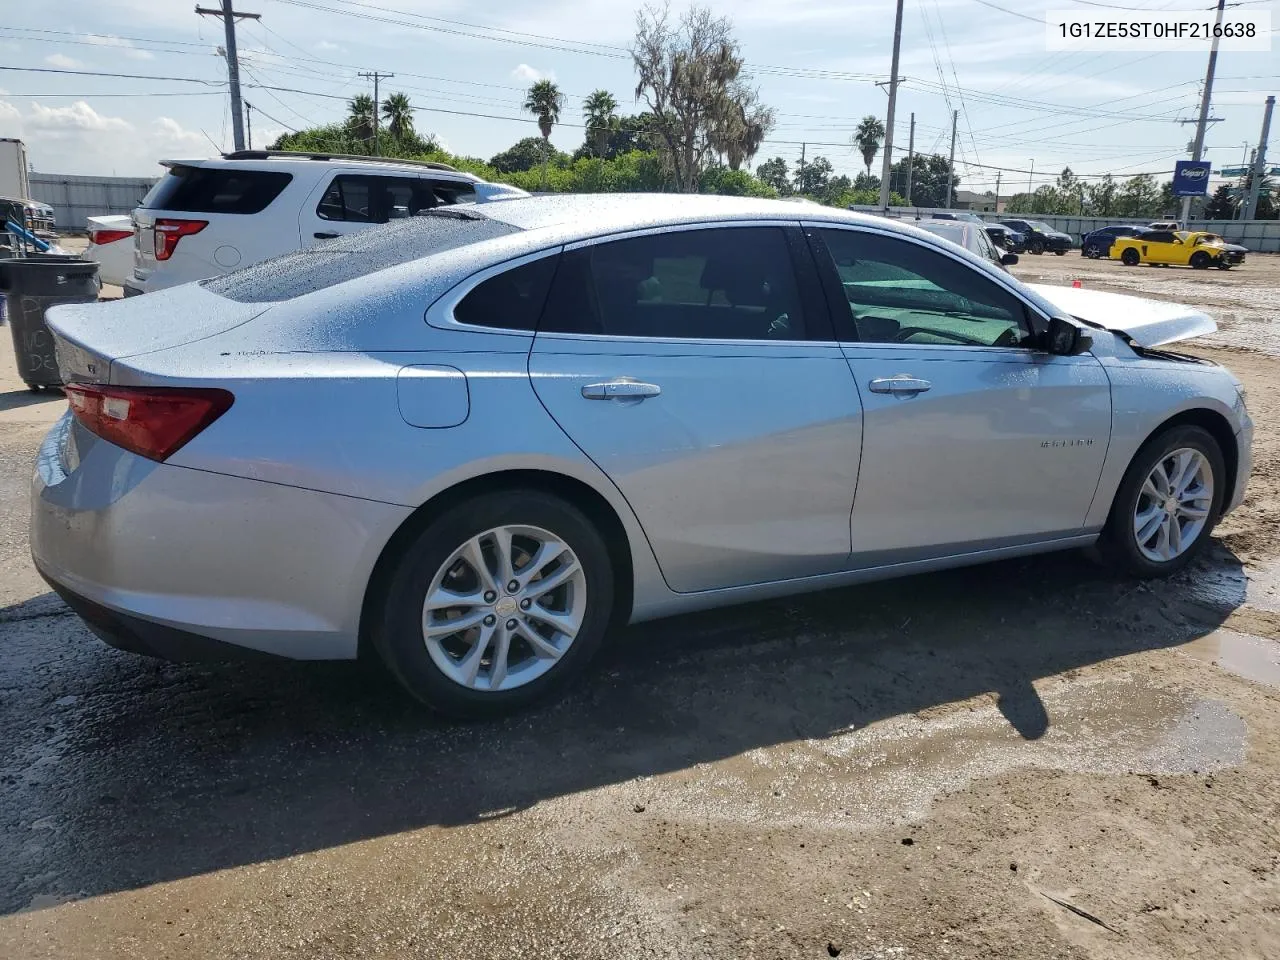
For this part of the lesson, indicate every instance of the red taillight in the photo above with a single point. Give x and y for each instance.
(153, 422)
(101, 237)
(169, 232)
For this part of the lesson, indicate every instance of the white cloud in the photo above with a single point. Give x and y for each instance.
(326, 46)
(134, 54)
(10, 120)
(63, 61)
(75, 118)
(527, 74)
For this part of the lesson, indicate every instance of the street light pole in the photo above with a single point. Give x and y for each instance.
(1259, 163)
(1197, 149)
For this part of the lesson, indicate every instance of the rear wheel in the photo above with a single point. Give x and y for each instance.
(1092, 252)
(1060, 253)
(498, 603)
(1201, 260)
(1130, 257)
(1167, 503)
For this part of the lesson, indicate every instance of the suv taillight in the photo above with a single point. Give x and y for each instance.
(153, 422)
(169, 232)
(101, 237)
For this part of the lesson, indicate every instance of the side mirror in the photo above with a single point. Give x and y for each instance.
(1009, 259)
(1065, 339)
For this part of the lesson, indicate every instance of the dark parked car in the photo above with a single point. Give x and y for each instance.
(1006, 238)
(967, 217)
(1041, 237)
(1096, 244)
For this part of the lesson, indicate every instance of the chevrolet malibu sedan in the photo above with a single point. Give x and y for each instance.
(473, 441)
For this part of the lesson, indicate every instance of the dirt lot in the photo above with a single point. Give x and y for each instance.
(1021, 760)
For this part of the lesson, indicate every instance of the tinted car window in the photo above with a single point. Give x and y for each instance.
(349, 199)
(723, 284)
(902, 292)
(371, 199)
(511, 300)
(1158, 236)
(215, 190)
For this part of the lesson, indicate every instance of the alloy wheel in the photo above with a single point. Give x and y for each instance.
(1173, 505)
(504, 608)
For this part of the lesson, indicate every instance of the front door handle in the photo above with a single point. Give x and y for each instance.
(621, 389)
(324, 236)
(900, 386)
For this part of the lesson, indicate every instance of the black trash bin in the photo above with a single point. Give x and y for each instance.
(30, 285)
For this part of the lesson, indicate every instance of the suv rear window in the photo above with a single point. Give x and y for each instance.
(356, 255)
(216, 190)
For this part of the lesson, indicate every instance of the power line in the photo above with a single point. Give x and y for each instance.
(123, 76)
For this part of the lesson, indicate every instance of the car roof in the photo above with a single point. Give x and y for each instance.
(301, 162)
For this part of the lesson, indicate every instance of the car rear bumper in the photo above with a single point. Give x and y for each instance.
(180, 562)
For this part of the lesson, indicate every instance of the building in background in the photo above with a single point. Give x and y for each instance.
(74, 198)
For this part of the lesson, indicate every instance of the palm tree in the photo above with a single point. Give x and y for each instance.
(360, 116)
(398, 113)
(867, 139)
(545, 101)
(600, 110)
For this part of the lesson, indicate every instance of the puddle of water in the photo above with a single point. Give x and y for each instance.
(1253, 658)
(892, 770)
(1228, 587)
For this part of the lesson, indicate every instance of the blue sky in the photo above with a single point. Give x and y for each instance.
(815, 62)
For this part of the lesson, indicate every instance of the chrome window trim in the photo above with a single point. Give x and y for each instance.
(440, 313)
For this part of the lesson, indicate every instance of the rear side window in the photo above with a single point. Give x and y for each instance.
(216, 190)
(709, 284)
(511, 300)
(357, 198)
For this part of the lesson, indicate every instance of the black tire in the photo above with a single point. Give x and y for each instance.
(1035, 246)
(1130, 257)
(1059, 253)
(397, 632)
(1118, 544)
(1201, 260)
(1223, 265)
(1092, 252)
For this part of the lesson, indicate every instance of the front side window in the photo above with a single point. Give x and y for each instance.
(898, 291)
(712, 284)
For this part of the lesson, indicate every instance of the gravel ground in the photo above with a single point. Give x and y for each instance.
(1021, 760)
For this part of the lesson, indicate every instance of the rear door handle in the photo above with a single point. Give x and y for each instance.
(621, 389)
(900, 386)
(324, 236)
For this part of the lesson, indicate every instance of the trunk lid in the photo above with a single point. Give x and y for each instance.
(1148, 323)
(91, 336)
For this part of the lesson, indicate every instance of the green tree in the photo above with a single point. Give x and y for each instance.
(1220, 205)
(867, 182)
(360, 116)
(813, 179)
(1139, 197)
(867, 139)
(734, 183)
(525, 154)
(1100, 197)
(690, 77)
(928, 179)
(398, 113)
(774, 173)
(1019, 203)
(1070, 192)
(545, 101)
(600, 110)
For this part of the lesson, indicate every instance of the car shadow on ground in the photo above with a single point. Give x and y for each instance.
(15, 399)
(165, 771)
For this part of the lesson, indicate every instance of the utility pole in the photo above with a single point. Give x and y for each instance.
(229, 18)
(800, 175)
(998, 172)
(951, 167)
(1259, 162)
(1244, 185)
(1197, 149)
(376, 76)
(248, 122)
(1031, 173)
(887, 167)
(911, 157)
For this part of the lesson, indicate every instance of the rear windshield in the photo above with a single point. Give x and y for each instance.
(356, 255)
(215, 190)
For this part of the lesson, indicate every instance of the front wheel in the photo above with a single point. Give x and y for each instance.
(1167, 503)
(1223, 265)
(496, 604)
(1036, 247)
(1130, 257)
(1201, 260)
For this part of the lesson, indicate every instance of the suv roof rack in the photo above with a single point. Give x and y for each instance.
(301, 155)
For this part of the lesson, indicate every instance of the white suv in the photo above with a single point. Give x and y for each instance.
(207, 217)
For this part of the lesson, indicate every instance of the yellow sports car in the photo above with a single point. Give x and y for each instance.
(1181, 247)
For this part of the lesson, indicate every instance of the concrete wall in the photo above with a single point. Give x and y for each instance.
(73, 198)
(1262, 236)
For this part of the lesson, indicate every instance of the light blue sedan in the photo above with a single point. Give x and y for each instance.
(473, 441)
